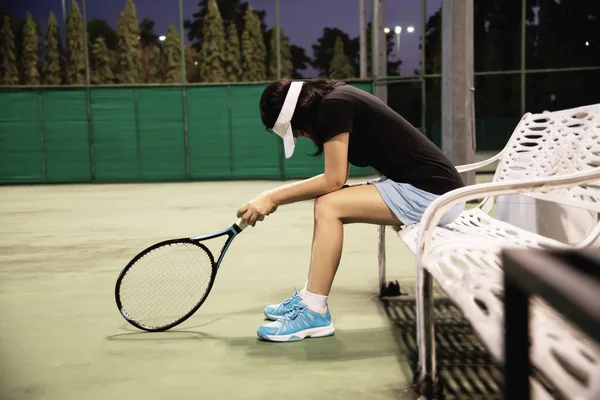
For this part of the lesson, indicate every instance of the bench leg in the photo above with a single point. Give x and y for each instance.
(517, 368)
(381, 258)
(393, 288)
(428, 384)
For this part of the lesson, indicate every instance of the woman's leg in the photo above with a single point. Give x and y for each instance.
(357, 204)
(332, 211)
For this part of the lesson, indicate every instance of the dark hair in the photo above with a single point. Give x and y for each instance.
(306, 112)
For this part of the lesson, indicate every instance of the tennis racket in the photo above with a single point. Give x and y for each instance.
(167, 283)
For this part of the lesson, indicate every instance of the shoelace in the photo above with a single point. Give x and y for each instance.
(288, 301)
(293, 313)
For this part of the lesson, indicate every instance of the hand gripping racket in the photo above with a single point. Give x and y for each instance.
(167, 283)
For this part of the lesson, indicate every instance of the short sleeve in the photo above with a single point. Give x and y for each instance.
(334, 118)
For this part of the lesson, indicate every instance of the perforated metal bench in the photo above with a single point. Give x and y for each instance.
(553, 156)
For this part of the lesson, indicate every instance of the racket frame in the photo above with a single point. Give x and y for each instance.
(231, 233)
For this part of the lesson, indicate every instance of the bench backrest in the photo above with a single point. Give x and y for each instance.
(555, 143)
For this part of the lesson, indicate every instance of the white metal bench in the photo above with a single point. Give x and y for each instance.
(551, 156)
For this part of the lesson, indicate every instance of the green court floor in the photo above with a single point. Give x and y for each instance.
(61, 336)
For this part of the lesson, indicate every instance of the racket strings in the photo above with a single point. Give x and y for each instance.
(166, 284)
(180, 301)
(160, 274)
(158, 306)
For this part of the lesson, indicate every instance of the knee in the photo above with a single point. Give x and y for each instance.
(325, 208)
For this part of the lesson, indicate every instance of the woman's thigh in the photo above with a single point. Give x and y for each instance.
(356, 204)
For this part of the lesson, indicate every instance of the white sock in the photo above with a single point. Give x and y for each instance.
(304, 289)
(315, 302)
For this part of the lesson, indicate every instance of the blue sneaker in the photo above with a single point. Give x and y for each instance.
(298, 323)
(276, 311)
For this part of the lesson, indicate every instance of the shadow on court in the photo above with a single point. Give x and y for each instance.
(465, 366)
(346, 345)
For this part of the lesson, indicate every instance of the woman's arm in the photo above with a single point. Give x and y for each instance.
(334, 177)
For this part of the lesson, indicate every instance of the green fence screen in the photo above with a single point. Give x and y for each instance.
(64, 130)
(152, 134)
(144, 134)
(20, 139)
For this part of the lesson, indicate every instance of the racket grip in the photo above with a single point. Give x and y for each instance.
(242, 224)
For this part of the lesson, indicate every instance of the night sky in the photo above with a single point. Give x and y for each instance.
(302, 20)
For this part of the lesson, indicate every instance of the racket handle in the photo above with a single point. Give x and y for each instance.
(242, 224)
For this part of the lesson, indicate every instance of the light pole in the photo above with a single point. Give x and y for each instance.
(64, 10)
(398, 30)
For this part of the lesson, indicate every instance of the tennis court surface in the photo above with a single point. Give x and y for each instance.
(61, 336)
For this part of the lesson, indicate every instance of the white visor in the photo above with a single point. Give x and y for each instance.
(283, 125)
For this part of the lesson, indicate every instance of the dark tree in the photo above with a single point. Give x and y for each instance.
(230, 10)
(101, 72)
(212, 49)
(566, 36)
(30, 54)
(100, 28)
(323, 51)
(75, 63)
(128, 48)
(154, 64)
(9, 74)
(254, 52)
(147, 35)
(300, 61)
(191, 64)
(233, 55)
(172, 56)
(341, 67)
(51, 68)
(285, 55)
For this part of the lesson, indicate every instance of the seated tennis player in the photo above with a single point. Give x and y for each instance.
(348, 126)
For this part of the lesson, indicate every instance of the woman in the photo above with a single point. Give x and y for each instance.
(348, 126)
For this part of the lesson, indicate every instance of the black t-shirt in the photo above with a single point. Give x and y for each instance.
(384, 140)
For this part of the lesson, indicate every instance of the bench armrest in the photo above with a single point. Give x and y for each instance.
(440, 206)
(480, 164)
(459, 168)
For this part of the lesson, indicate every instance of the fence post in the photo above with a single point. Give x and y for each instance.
(88, 100)
(182, 44)
(42, 141)
(186, 137)
(184, 92)
(230, 126)
(458, 115)
(88, 94)
(362, 11)
(137, 134)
